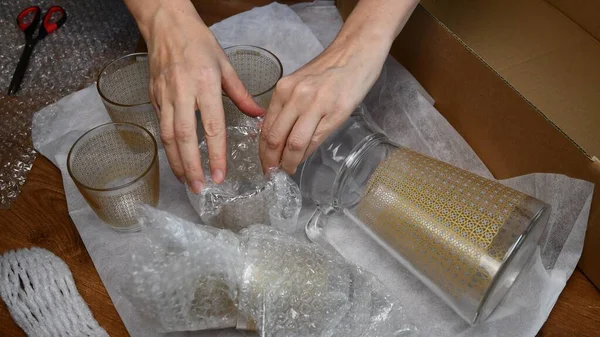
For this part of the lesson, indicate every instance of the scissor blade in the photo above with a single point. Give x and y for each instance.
(19, 73)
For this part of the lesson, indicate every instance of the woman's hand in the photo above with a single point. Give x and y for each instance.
(312, 102)
(188, 71)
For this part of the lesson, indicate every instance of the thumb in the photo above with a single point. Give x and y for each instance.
(236, 91)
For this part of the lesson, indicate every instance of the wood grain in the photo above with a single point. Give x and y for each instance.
(39, 217)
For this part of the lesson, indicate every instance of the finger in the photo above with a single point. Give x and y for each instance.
(167, 136)
(210, 104)
(274, 109)
(324, 129)
(152, 98)
(298, 141)
(282, 91)
(277, 136)
(237, 92)
(187, 142)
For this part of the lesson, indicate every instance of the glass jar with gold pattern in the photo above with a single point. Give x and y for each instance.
(466, 237)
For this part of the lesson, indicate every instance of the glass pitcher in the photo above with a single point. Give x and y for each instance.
(466, 237)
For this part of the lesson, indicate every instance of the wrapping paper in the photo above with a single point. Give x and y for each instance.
(400, 106)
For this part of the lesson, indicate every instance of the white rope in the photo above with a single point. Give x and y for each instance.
(40, 294)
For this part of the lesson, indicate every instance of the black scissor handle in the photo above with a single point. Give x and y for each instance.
(53, 19)
(28, 19)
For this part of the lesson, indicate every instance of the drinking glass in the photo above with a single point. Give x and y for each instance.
(123, 88)
(115, 167)
(259, 70)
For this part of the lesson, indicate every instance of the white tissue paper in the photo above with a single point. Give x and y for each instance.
(405, 112)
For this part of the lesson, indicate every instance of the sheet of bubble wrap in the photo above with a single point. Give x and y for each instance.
(65, 61)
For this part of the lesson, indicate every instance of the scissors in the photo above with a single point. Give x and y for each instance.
(28, 21)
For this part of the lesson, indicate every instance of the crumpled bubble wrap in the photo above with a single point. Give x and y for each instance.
(185, 278)
(67, 60)
(285, 202)
(247, 196)
(193, 277)
(295, 289)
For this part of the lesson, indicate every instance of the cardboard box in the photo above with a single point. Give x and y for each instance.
(520, 81)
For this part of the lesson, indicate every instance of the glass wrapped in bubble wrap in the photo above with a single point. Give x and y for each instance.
(466, 237)
(247, 196)
(194, 277)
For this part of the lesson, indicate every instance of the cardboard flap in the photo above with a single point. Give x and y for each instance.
(585, 13)
(544, 55)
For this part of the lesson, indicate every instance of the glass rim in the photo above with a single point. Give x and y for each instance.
(131, 55)
(250, 47)
(509, 260)
(140, 176)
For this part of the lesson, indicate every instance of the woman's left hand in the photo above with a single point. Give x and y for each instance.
(312, 102)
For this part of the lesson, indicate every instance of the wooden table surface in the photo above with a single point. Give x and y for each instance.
(39, 217)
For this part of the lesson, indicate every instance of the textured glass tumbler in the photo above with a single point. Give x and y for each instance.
(466, 237)
(259, 70)
(123, 87)
(115, 167)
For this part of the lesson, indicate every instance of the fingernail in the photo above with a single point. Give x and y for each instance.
(218, 176)
(197, 186)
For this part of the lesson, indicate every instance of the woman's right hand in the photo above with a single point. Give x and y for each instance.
(188, 71)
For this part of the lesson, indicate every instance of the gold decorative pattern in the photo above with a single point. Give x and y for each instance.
(115, 168)
(259, 71)
(441, 219)
(126, 82)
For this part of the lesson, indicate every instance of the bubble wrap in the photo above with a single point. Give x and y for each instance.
(95, 33)
(285, 202)
(185, 278)
(246, 197)
(195, 277)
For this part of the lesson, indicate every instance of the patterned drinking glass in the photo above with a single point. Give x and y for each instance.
(123, 88)
(466, 237)
(259, 70)
(115, 167)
